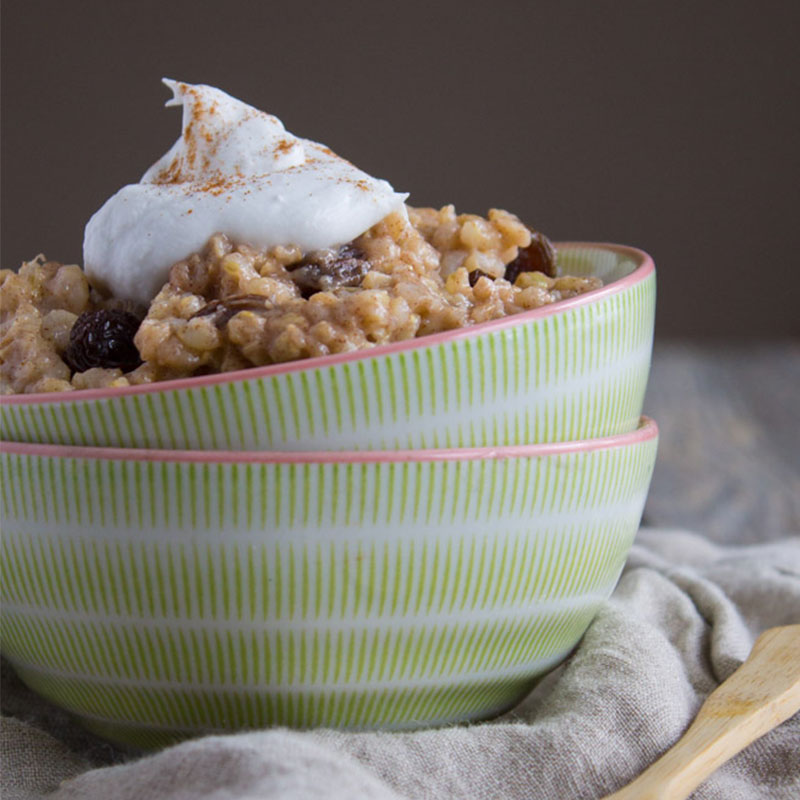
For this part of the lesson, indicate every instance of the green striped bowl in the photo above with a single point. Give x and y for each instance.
(574, 370)
(159, 595)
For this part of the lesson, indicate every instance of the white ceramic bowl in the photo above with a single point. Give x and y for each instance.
(158, 595)
(575, 370)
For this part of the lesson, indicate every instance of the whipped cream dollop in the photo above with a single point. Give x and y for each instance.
(234, 170)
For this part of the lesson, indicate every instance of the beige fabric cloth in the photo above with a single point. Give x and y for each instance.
(683, 617)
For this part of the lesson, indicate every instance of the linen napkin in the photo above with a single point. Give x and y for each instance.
(683, 617)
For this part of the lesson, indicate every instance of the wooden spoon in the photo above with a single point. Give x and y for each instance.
(760, 695)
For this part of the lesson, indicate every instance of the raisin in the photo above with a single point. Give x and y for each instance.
(538, 256)
(323, 270)
(103, 339)
(227, 307)
(477, 274)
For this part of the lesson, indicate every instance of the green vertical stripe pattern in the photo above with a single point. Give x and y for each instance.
(577, 374)
(157, 601)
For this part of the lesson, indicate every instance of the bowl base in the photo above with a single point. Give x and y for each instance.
(461, 704)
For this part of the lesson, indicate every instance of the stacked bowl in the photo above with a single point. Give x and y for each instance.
(396, 537)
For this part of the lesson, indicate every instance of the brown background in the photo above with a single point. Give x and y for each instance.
(671, 126)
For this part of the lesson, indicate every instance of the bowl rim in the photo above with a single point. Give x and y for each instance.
(645, 266)
(646, 430)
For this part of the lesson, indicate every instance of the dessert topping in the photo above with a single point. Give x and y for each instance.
(234, 170)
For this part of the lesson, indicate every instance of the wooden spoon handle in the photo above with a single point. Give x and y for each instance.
(760, 695)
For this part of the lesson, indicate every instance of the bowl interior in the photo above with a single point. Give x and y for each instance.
(607, 263)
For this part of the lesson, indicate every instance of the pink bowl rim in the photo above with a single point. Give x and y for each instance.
(641, 272)
(646, 430)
